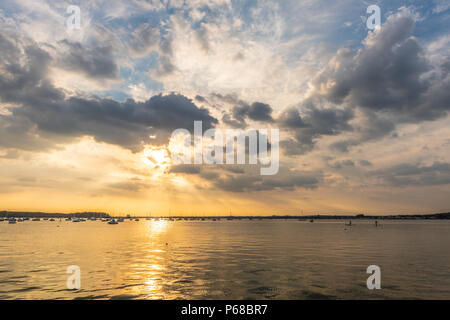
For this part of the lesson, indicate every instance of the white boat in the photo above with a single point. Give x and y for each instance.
(12, 220)
(76, 220)
(113, 221)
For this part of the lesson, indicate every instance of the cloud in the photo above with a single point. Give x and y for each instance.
(407, 174)
(165, 66)
(10, 154)
(144, 39)
(128, 124)
(132, 187)
(96, 62)
(386, 82)
(365, 163)
(254, 183)
(199, 98)
(242, 111)
(371, 126)
(343, 163)
(201, 35)
(388, 74)
(186, 169)
(311, 124)
(42, 112)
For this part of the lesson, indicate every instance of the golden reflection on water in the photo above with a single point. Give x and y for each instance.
(224, 260)
(152, 265)
(156, 228)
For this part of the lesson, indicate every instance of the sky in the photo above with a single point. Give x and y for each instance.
(87, 114)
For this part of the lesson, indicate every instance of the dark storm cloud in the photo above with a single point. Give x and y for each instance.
(229, 120)
(309, 126)
(384, 74)
(128, 124)
(253, 183)
(406, 174)
(389, 80)
(23, 73)
(244, 178)
(388, 74)
(242, 110)
(247, 178)
(44, 113)
(257, 111)
(371, 126)
(96, 62)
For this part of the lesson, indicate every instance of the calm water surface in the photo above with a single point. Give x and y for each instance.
(225, 259)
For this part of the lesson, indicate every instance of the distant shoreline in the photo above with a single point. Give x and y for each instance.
(433, 216)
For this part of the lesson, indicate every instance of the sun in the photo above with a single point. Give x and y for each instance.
(156, 157)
